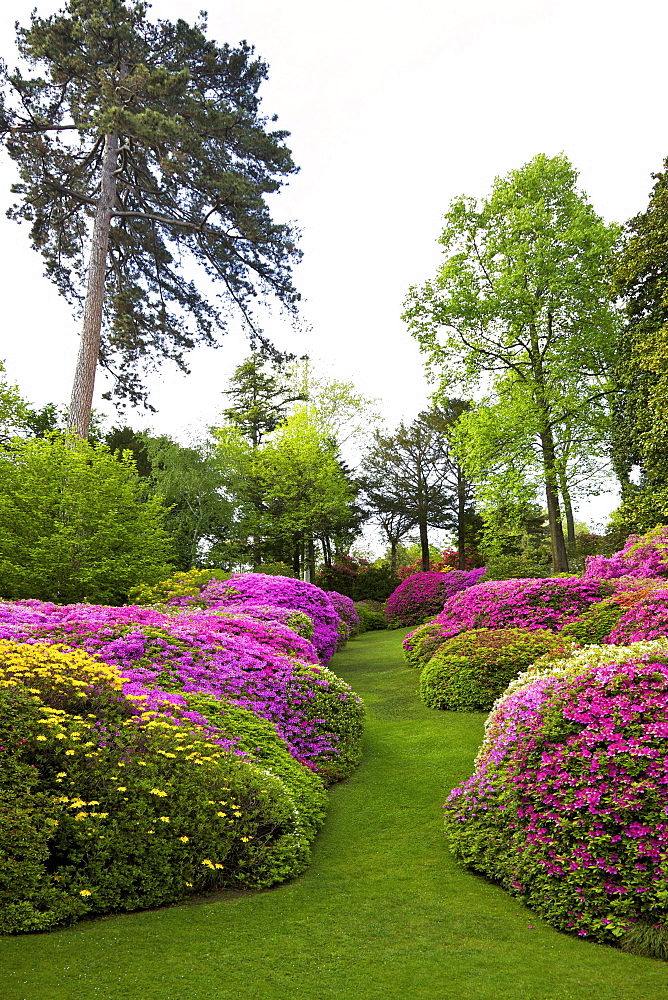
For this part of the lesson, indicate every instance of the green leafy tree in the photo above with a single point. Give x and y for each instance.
(14, 411)
(640, 429)
(76, 524)
(261, 398)
(200, 515)
(412, 479)
(305, 490)
(524, 291)
(138, 143)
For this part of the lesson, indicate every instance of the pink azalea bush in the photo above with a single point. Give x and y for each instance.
(568, 805)
(421, 596)
(517, 603)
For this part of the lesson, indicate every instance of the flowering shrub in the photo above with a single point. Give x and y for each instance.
(449, 559)
(185, 584)
(568, 804)
(104, 810)
(168, 657)
(470, 670)
(421, 596)
(281, 591)
(346, 610)
(642, 555)
(644, 616)
(531, 604)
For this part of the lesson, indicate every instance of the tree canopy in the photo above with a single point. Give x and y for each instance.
(524, 295)
(139, 143)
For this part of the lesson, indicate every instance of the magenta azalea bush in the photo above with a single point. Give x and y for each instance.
(642, 555)
(346, 610)
(421, 596)
(568, 805)
(259, 589)
(533, 604)
(644, 618)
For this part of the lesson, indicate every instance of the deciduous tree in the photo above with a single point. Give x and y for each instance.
(524, 291)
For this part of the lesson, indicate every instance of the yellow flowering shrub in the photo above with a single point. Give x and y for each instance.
(101, 812)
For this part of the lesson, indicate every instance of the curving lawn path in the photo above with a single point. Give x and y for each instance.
(383, 911)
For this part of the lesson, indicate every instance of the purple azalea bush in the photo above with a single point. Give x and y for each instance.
(167, 658)
(531, 603)
(568, 805)
(421, 596)
(279, 591)
(346, 610)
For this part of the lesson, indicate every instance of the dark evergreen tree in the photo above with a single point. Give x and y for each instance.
(139, 143)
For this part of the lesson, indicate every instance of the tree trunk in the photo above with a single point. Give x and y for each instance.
(394, 543)
(461, 507)
(424, 545)
(296, 560)
(310, 559)
(89, 347)
(568, 511)
(557, 543)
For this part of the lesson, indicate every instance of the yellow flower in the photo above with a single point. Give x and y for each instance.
(85, 892)
(41, 737)
(165, 819)
(245, 839)
(68, 753)
(62, 774)
(121, 788)
(158, 791)
(185, 841)
(189, 884)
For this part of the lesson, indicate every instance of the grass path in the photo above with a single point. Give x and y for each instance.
(383, 911)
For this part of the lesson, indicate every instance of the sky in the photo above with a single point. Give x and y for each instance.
(394, 109)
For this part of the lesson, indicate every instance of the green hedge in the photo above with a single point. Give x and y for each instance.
(471, 670)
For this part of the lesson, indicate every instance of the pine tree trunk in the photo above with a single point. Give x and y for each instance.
(394, 542)
(310, 548)
(89, 347)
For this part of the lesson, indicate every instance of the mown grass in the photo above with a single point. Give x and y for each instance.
(383, 911)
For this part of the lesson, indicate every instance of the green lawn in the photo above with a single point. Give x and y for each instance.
(383, 911)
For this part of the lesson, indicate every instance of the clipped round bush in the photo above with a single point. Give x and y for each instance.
(106, 810)
(470, 670)
(420, 645)
(346, 610)
(371, 616)
(421, 596)
(532, 604)
(184, 584)
(568, 805)
(644, 616)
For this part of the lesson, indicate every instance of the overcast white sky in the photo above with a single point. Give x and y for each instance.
(394, 108)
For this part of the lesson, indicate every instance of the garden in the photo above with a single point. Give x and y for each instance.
(294, 702)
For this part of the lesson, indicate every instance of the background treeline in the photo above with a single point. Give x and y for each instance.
(545, 331)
